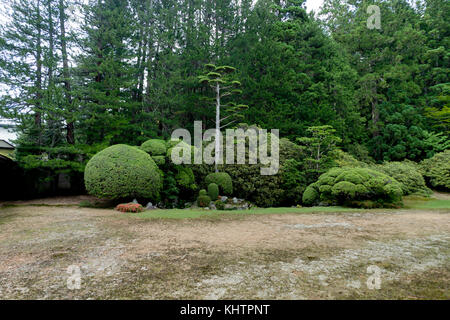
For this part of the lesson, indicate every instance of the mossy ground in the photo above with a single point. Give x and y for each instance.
(277, 253)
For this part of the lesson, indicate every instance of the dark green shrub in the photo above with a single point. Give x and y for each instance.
(310, 196)
(122, 171)
(344, 159)
(223, 180)
(408, 175)
(159, 160)
(282, 189)
(213, 191)
(203, 201)
(347, 186)
(203, 192)
(436, 170)
(219, 205)
(155, 147)
(185, 178)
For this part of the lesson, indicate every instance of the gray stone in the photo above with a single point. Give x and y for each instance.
(235, 200)
(224, 198)
(135, 201)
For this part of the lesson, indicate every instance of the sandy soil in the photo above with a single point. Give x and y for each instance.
(290, 256)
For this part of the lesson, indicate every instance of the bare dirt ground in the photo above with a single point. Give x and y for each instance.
(289, 256)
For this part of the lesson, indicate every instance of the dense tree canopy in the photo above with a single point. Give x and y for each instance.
(80, 77)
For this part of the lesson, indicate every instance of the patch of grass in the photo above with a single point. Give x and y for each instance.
(208, 214)
(414, 202)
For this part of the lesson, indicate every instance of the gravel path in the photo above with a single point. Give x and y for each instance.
(80, 253)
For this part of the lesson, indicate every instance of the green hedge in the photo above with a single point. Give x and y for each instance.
(282, 189)
(223, 180)
(121, 171)
(159, 160)
(155, 147)
(436, 170)
(185, 178)
(409, 176)
(352, 186)
(213, 191)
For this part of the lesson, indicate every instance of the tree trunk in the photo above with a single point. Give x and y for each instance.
(217, 151)
(70, 134)
(37, 114)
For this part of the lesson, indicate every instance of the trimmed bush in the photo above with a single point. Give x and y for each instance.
(310, 196)
(219, 205)
(130, 207)
(351, 186)
(408, 175)
(283, 189)
(121, 171)
(436, 170)
(159, 160)
(344, 159)
(155, 147)
(181, 147)
(203, 192)
(213, 191)
(185, 178)
(203, 201)
(223, 180)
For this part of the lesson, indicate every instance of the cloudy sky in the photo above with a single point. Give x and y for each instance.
(313, 5)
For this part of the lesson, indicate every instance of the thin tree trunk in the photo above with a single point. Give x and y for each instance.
(217, 153)
(38, 114)
(70, 133)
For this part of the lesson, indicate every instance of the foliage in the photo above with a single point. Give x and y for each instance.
(344, 159)
(203, 199)
(213, 191)
(351, 186)
(185, 178)
(130, 207)
(219, 205)
(128, 70)
(408, 175)
(223, 180)
(320, 147)
(155, 147)
(284, 188)
(436, 170)
(159, 160)
(121, 171)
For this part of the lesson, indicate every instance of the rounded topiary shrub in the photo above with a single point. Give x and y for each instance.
(213, 191)
(310, 196)
(408, 175)
(353, 186)
(203, 201)
(223, 180)
(203, 192)
(436, 170)
(154, 147)
(219, 205)
(122, 171)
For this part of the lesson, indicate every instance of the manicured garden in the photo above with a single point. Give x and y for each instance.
(143, 178)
